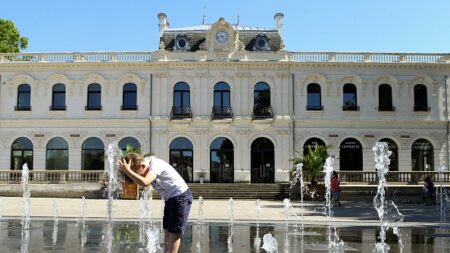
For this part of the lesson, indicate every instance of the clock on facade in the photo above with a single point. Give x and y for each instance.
(222, 36)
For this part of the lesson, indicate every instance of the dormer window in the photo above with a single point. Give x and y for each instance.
(181, 43)
(261, 43)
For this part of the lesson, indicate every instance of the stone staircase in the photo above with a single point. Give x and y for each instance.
(238, 191)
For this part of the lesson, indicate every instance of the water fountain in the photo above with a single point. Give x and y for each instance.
(334, 242)
(443, 196)
(200, 211)
(269, 243)
(144, 214)
(55, 222)
(112, 172)
(83, 232)
(388, 213)
(287, 210)
(26, 210)
(230, 211)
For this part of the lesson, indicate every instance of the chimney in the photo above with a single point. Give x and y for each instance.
(279, 21)
(163, 23)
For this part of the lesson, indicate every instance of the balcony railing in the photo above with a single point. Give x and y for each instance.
(422, 108)
(22, 108)
(314, 107)
(221, 112)
(93, 107)
(386, 108)
(58, 108)
(350, 108)
(407, 177)
(181, 112)
(262, 112)
(53, 176)
(363, 57)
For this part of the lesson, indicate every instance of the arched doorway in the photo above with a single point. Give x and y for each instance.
(422, 155)
(21, 152)
(182, 158)
(312, 142)
(57, 157)
(93, 154)
(350, 153)
(392, 146)
(262, 161)
(222, 161)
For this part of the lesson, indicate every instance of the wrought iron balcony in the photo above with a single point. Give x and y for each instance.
(350, 108)
(314, 107)
(181, 112)
(262, 112)
(58, 108)
(221, 112)
(22, 108)
(384, 108)
(422, 108)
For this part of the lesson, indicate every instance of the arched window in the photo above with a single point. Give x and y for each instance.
(392, 146)
(94, 97)
(420, 98)
(58, 97)
(21, 152)
(93, 154)
(129, 141)
(314, 101)
(350, 98)
(129, 97)
(222, 161)
(262, 161)
(222, 108)
(350, 153)
(312, 142)
(422, 155)
(23, 97)
(57, 154)
(181, 101)
(261, 101)
(385, 98)
(182, 157)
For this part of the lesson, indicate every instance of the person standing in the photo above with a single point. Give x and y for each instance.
(335, 189)
(172, 188)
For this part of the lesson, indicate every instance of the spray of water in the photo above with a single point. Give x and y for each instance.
(270, 244)
(230, 211)
(388, 213)
(145, 213)
(334, 241)
(112, 172)
(153, 242)
(200, 211)
(55, 222)
(83, 231)
(258, 210)
(26, 210)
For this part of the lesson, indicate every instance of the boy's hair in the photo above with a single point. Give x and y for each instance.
(136, 160)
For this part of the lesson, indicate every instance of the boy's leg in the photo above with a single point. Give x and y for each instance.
(173, 242)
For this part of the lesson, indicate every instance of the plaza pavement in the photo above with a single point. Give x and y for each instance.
(244, 211)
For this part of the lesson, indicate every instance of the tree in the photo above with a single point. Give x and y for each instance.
(313, 161)
(10, 39)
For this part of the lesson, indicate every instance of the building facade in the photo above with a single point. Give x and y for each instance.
(224, 103)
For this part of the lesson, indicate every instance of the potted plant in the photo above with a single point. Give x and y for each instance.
(313, 162)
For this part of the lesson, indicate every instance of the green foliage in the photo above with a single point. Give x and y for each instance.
(131, 149)
(313, 161)
(10, 39)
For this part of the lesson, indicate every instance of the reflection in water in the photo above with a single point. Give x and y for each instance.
(209, 237)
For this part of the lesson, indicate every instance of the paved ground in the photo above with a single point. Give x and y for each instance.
(357, 213)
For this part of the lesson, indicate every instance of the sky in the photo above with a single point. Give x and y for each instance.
(408, 26)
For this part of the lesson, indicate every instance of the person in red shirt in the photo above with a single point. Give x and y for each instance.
(335, 189)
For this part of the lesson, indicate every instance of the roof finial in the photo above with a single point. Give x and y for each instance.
(204, 15)
(238, 18)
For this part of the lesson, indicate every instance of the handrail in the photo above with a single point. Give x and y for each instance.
(53, 176)
(358, 57)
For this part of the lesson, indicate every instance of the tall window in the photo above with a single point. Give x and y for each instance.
(420, 98)
(422, 155)
(181, 101)
(182, 157)
(21, 152)
(222, 108)
(94, 97)
(350, 98)
(261, 101)
(129, 141)
(385, 98)
(314, 101)
(93, 154)
(58, 97)
(57, 154)
(129, 99)
(23, 97)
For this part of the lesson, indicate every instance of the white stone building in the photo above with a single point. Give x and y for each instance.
(223, 102)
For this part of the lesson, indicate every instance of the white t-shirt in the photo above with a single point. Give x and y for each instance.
(168, 182)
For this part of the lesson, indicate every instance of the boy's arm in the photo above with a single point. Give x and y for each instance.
(138, 179)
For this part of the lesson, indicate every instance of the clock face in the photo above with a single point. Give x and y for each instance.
(222, 36)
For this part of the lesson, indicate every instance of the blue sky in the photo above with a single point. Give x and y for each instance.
(421, 26)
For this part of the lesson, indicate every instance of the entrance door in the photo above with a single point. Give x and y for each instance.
(222, 160)
(262, 161)
(182, 161)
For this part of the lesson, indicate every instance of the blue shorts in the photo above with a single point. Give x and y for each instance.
(176, 212)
